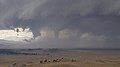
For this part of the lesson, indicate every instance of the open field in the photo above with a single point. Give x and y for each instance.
(66, 58)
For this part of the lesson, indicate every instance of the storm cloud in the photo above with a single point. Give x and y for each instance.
(74, 23)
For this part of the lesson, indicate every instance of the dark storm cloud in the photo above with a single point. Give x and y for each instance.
(99, 17)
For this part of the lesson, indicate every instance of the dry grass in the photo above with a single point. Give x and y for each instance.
(83, 59)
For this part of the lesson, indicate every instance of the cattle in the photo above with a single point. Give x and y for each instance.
(56, 60)
(62, 58)
(73, 60)
(41, 61)
(45, 60)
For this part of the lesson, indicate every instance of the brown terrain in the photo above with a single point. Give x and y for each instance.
(68, 58)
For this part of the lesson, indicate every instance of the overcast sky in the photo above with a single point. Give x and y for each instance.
(61, 23)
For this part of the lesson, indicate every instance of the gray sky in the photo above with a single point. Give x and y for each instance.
(68, 23)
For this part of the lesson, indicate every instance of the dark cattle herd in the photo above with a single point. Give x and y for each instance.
(42, 62)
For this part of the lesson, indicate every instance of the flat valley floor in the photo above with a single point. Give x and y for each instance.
(68, 58)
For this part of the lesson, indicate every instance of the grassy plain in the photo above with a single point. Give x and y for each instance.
(81, 59)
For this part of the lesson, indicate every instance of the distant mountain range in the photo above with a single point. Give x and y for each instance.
(2, 46)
